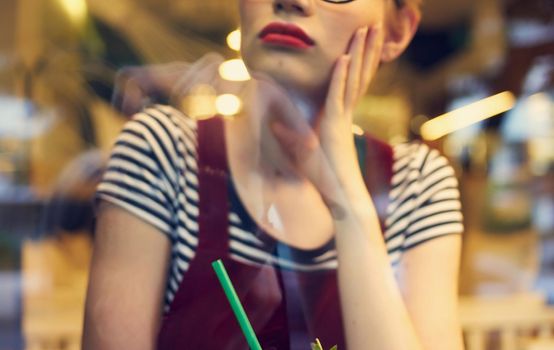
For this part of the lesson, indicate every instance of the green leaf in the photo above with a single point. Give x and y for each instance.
(317, 345)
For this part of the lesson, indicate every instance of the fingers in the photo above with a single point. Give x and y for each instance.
(307, 159)
(127, 94)
(364, 53)
(335, 97)
(276, 104)
(165, 76)
(203, 71)
(284, 156)
(350, 79)
(297, 146)
(372, 57)
(134, 87)
(131, 99)
(354, 73)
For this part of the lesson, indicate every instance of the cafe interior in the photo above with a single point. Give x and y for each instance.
(476, 83)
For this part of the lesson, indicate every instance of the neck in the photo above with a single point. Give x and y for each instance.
(252, 143)
(307, 108)
(308, 103)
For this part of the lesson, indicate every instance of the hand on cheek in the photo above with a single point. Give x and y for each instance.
(365, 52)
(351, 78)
(327, 155)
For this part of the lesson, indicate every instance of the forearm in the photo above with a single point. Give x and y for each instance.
(374, 313)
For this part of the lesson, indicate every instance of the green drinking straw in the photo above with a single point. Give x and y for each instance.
(236, 305)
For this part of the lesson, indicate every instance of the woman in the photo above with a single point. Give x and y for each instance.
(293, 175)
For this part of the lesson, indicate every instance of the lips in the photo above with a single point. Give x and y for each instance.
(287, 35)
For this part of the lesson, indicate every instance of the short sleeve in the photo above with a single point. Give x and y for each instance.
(141, 172)
(437, 208)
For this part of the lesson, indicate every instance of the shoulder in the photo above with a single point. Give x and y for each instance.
(163, 121)
(144, 174)
(416, 161)
(410, 154)
(161, 133)
(424, 197)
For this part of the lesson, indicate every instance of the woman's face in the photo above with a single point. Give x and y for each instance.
(272, 43)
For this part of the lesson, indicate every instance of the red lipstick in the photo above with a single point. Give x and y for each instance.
(287, 35)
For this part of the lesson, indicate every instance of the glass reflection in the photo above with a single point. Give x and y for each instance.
(73, 73)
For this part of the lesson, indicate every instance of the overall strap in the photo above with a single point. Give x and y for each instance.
(376, 160)
(213, 177)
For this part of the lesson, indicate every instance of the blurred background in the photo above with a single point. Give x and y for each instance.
(485, 68)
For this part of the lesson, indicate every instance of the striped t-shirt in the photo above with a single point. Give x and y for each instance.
(152, 172)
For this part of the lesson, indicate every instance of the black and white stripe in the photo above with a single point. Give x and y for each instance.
(152, 173)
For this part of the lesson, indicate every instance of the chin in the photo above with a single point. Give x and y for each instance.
(292, 74)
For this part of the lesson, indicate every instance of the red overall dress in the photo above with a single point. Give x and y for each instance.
(288, 309)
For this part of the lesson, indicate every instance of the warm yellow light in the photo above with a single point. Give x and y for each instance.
(228, 104)
(467, 115)
(75, 9)
(234, 70)
(357, 130)
(233, 40)
(200, 103)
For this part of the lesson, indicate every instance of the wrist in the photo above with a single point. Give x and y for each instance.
(353, 203)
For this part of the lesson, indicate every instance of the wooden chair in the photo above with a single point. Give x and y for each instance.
(519, 321)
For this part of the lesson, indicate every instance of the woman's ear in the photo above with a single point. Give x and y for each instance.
(400, 28)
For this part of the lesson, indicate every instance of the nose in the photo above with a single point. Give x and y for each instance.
(301, 7)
